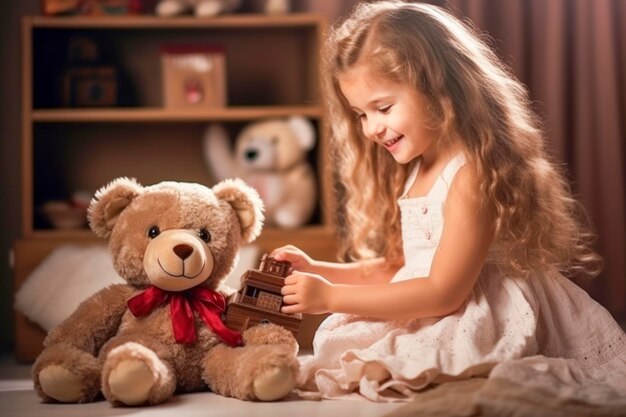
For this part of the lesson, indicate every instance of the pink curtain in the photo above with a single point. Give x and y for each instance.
(572, 56)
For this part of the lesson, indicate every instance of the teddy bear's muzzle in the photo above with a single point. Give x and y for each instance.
(177, 260)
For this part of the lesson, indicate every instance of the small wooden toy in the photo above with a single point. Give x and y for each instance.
(259, 300)
(88, 81)
(194, 76)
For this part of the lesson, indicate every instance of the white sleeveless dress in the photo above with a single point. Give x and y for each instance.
(543, 331)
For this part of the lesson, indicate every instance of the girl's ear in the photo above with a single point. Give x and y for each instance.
(247, 205)
(109, 202)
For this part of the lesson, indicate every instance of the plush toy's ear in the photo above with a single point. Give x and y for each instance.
(304, 130)
(109, 202)
(218, 153)
(247, 204)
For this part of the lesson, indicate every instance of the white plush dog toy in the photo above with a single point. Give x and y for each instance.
(201, 8)
(270, 156)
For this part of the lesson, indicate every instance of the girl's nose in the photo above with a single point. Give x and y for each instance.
(375, 129)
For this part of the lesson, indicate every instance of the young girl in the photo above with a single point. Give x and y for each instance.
(459, 227)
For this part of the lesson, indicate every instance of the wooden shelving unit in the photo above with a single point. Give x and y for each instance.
(55, 136)
(70, 149)
(156, 115)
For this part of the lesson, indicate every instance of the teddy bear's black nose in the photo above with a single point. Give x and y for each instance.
(183, 251)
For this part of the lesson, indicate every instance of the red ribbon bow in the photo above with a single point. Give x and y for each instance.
(207, 303)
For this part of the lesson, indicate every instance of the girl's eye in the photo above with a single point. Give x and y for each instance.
(204, 235)
(384, 109)
(153, 232)
(359, 116)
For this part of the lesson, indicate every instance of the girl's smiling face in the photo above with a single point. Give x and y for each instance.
(391, 114)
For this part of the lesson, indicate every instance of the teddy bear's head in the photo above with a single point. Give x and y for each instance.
(275, 144)
(175, 235)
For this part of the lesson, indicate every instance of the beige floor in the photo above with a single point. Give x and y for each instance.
(17, 399)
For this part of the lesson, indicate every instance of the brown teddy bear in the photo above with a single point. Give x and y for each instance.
(162, 331)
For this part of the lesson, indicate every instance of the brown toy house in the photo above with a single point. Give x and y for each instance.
(259, 300)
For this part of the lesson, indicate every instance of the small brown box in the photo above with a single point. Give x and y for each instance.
(194, 76)
(259, 300)
(90, 87)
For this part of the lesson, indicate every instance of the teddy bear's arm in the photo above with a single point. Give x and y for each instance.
(95, 320)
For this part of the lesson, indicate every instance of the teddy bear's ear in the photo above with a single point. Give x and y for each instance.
(109, 202)
(247, 204)
(304, 130)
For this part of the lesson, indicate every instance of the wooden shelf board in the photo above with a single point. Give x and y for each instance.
(269, 234)
(319, 241)
(242, 113)
(232, 21)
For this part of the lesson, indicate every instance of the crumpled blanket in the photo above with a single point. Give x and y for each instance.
(500, 397)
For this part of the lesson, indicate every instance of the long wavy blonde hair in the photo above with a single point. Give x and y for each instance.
(472, 96)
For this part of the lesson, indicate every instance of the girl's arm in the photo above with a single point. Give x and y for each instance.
(371, 271)
(464, 244)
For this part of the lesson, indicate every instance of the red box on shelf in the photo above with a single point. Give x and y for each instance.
(194, 76)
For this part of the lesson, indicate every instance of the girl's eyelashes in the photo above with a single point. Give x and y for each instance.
(384, 109)
(381, 110)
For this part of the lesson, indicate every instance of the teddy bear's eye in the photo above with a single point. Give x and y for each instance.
(204, 235)
(153, 232)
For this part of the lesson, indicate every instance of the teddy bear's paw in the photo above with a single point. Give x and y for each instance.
(60, 384)
(130, 382)
(273, 384)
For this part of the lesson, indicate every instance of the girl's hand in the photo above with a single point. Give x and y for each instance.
(306, 293)
(297, 257)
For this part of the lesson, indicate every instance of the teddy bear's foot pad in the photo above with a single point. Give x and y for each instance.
(60, 384)
(273, 384)
(131, 381)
